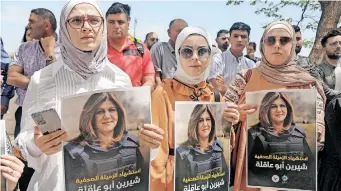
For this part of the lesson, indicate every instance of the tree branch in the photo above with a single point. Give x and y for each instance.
(303, 11)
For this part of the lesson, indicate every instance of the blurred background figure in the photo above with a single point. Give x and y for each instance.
(151, 39)
(250, 52)
(223, 40)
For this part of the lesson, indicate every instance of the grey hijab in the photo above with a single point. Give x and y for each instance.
(83, 63)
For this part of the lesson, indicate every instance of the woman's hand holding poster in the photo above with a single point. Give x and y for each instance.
(202, 138)
(281, 149)
(103, 151)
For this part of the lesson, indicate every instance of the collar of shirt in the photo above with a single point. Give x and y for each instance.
(128, 43)
(332, 66)
(238, 59)
(171, 47)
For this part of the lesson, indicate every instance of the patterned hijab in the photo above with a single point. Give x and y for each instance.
(83, 63)
(180, 74)
(289, 73)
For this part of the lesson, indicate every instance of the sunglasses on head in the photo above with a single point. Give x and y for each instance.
(283, 40)
(202, 52)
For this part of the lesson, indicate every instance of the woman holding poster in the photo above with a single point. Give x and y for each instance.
(277, 70)
(202, 153)
(277, 135)
(104, 147)
(193, 53)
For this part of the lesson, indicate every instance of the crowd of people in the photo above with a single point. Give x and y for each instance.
(94, 51)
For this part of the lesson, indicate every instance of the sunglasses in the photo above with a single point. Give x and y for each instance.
(202, 52)
(223, 38)
(298, 38)
(283, 40)
(154, 39)
(335, 43)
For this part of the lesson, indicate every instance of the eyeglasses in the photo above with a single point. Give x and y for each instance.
(78, 22)
(298, 38)
(202, 52)
(335, 43)
(283, 40)
(154, 39)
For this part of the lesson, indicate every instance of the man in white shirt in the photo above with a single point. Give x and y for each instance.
(226, 65)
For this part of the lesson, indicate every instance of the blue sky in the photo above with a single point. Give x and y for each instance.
(151, 15)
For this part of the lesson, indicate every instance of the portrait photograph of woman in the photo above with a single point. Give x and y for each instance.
(103, 147)
(202, 146)
(281, 143)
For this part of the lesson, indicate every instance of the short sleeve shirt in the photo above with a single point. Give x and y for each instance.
(131, 61)
(163, 55)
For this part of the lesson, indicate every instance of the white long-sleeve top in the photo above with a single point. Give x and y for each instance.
(46, 88)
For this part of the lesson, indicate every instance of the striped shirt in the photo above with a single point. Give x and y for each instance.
(45, 91)
(31, 58)
(229, 66)
(164, 60)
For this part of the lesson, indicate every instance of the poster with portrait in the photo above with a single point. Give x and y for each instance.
(103, 150)
(202, 147)
(281, 140)
(5, 149)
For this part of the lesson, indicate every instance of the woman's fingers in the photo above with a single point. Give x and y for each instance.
(153, 128)
(151, 136)
(248, 107)
(10, 162)
(152, 143)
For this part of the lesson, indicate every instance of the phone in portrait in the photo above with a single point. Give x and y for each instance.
(48, 121)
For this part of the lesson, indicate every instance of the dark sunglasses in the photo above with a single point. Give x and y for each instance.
(202, 52)
(298, 38)
(154, 39)
(283, 40)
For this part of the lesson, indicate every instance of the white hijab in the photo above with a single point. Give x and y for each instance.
(180, 74)
(83, 63)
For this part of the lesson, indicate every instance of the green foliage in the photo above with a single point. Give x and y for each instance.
(308, 43)
(310, 11)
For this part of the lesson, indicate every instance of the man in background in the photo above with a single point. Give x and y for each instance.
(151, 39)
(223, 39)
(125, 51)
(163, 53)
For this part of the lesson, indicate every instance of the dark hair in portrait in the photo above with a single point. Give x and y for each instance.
(87, 122)
(193, 125)
(240, 26)
(265, 107)
(330, 34)
(118, 8)
(296, 28)
(222, 31)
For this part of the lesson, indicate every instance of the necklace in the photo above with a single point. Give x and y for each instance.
(196, 92)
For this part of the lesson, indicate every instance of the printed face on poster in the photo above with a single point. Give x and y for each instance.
(202, 142)
(103, 150)
(281, 143)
